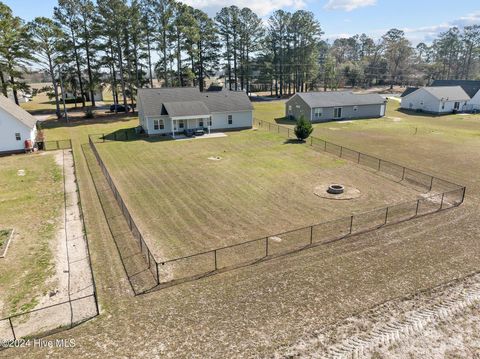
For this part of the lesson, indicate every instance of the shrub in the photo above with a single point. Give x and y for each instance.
(89, 114)
(303, 129)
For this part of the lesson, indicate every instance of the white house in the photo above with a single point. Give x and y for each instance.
(438, 99)
(16, 126)
(169, 111)
(474, 103)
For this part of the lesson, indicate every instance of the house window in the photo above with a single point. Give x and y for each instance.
(318, 112)
(158, 125)
(181, 124)
(200, 123)
(230, 119)
(18, 137)
(355, 108)
(443, 105)
(457, 105)
(289, 108)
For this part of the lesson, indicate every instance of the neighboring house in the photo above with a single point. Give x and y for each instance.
(474, 103)
(440, 99)
(16, 126)
(328, 106)
(169, 111)
(471, 87)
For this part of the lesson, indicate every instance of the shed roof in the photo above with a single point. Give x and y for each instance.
(449, 93)
(342, 98)
(16, 111)
(153, 101)
(471, 87)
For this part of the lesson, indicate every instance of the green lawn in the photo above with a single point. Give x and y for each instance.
(186, 203)
(31, 205)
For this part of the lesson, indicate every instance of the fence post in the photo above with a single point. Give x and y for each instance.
(311, 235)
(158, 277)
(403, 174)
(215, 256)
(431, 184)
(11, 326)
(386, 215)
(58, 145)
(358, 161)
(416, 210)
(463, 194)
(71, 146)
(341, 151)
(351, 224)
(441, 203)
(266, 246)
(379, 164)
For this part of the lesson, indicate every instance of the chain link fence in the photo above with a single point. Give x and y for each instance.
(442, 195)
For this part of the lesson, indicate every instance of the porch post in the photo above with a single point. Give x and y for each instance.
(173, 128)
(209, 119)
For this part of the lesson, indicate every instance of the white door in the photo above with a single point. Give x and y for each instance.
(382, 110)
(337, 112)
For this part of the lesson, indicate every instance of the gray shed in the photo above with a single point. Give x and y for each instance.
(333, 106)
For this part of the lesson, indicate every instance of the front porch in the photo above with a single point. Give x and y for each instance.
(179, 125)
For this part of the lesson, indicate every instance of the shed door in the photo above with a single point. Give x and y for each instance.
(382, 110)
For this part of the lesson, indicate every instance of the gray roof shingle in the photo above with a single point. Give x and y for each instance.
(186, 108)
(153, 101)
(450, 93)
(471, 87)
(340, 98)
(16, 111)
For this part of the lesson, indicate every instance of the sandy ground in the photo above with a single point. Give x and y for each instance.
(442, 323)
(73, 279)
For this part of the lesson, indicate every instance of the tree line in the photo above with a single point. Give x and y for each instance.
(126, 45)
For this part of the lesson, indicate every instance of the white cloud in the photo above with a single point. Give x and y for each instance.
(348, 5)
(260, 7)
(429, 33)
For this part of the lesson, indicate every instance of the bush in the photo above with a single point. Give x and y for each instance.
(89, 114)
(303, 129)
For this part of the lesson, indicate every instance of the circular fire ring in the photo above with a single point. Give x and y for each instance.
(336, 189)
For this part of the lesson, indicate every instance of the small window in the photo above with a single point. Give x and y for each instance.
(230, 119)
(200, 123)
(181, 124)
(18, 137)
(156, 125)
(318, 112)
(355, 108)
(162, 124)
(443, 105)
(290, 108)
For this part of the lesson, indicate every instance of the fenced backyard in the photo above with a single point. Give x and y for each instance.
(66, 314)
(441, 195)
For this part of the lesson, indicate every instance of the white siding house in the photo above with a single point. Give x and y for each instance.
(16, 126)
(171, 111)
(439, 100)
(474, 103)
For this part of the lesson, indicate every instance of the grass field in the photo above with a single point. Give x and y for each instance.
(31, 205)
(186, 203)
(254, 311)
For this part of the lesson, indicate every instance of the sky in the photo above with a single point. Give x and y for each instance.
(421, 20)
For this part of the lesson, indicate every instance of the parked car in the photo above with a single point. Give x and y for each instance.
(120, 108)
(199, 132)
(189, 132)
